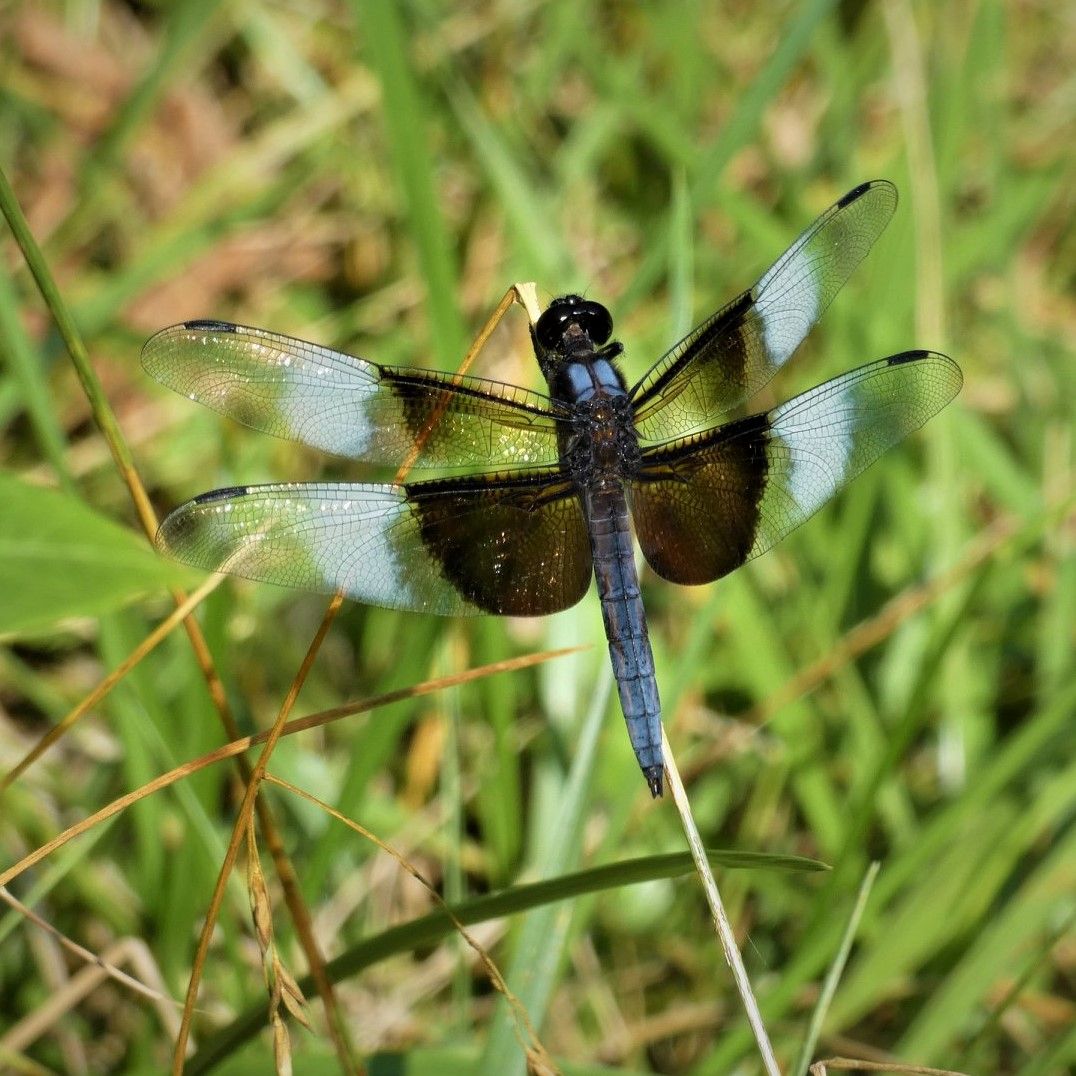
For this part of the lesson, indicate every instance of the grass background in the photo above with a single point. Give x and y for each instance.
(372, 177)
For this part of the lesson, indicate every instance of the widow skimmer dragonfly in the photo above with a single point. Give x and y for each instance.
(564, 475)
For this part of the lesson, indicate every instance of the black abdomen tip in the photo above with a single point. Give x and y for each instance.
(653, 775)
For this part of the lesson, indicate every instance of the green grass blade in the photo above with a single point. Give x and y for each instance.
(429, 929)
(406, 113)
(59, 558)
(793, 43)
(185, 24)
(833, 976)
(28, 372)
(72, 338)
(539, 946)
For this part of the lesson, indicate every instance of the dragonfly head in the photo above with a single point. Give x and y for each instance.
(561, 314)
(571, 326)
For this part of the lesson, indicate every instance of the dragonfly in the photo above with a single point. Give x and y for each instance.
(552, 486)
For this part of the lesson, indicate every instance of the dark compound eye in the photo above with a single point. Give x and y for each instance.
(591, 317)
(558, 316)
(596, 322)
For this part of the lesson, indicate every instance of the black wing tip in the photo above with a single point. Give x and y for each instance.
(221, 494)
(909, 356)
(149, 348)
(653, 775)
(862, 188)
(210, 325)
(947, 377)
(920, 354)
(852, 195)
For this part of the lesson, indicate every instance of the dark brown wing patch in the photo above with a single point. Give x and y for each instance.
(511, 545)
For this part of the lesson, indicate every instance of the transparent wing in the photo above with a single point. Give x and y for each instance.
(512, 545)
(704, 505)
(733, 354)
(351, 407)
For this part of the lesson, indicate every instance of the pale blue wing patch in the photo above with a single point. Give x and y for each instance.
(795, 291)
(351, 407)
(730, 356)
(819, 441)
(361, 539)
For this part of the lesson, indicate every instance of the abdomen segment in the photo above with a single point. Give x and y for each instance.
(625, 628)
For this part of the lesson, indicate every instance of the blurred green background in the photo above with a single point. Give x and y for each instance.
(895, 682)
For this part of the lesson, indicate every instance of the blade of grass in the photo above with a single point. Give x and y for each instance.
(542, 935)
(742, 126)
(717, 910)
(1035, 905)
(429, 929)
(861, 808)
(245, 743)
(224, 197)
(72, 338)
(88, 702)
(1058, 1056)
(405, 115)
(821, 936)
(337, 1027)
(121, 454)
(86, 955)
(833, 976)
(60, 558)
(527, 1036)
(859, 812)
(86, 982)
(857, 1064)
(454, 655)
(528, 207)
(874, 630)
(185, 24)
(28, 374)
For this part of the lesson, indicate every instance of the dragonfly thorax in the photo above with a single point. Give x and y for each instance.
(603, 446)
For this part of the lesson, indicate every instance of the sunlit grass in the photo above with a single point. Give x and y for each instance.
(375, 183)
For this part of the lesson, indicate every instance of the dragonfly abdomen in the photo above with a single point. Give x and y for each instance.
(625, 626)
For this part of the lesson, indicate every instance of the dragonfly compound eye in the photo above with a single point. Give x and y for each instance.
(591, 317)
